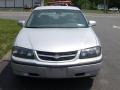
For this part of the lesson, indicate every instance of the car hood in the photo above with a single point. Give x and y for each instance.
(56, 39)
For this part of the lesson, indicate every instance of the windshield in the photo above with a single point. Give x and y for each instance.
(56, 19)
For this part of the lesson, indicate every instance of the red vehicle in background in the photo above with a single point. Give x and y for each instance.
(61, 3)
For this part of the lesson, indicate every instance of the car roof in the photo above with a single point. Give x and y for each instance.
(56, 7)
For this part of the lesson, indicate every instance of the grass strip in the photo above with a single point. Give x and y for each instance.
(8, 32)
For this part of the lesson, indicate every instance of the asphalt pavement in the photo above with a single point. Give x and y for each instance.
(108, 30)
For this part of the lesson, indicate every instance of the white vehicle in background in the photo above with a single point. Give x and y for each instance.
(56, 42)
(114, 9)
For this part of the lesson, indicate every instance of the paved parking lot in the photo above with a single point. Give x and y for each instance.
(108, 30)
(14, 15)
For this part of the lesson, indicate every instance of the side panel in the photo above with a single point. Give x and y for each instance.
(2, 3)
(18, 3)
(9, 3)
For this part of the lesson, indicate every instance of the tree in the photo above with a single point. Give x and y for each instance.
(92, 4)
(80, 3)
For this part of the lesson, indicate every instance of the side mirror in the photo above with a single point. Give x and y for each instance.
(92, 23)
(21, 23)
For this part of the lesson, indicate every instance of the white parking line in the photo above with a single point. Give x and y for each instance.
(116, 27)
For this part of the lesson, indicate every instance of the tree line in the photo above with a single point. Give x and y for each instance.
(93, 4)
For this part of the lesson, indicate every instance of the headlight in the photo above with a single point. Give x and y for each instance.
(90, 52)
(22, 52)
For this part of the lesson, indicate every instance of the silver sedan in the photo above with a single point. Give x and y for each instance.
(56, 42)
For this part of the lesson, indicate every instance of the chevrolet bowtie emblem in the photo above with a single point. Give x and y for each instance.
(57, 56)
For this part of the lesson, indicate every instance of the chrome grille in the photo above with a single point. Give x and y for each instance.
(53, 56)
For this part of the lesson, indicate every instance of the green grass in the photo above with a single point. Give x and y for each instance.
(8, 31)
(93, 11)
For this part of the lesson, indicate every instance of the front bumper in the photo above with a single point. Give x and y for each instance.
(56, 72)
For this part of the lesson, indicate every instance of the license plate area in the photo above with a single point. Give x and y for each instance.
(56, 72)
